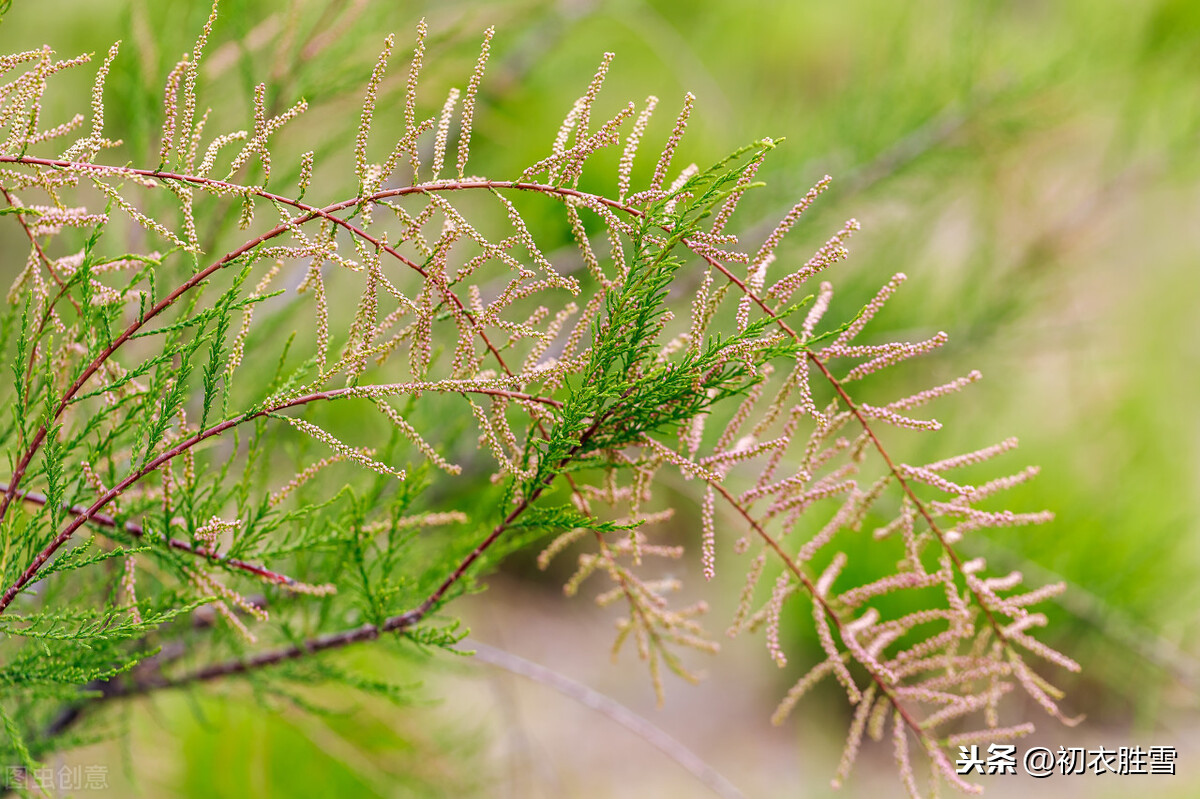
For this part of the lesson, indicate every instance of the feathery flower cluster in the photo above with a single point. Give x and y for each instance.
(211, 531)
(368, 111)
(129, 588)
(468, 109)
(654, 192)
(209, 586)
(776, 236)
(830, 253)
(346, 451)
(625, 168)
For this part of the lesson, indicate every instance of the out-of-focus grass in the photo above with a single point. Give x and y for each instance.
(1033, 168)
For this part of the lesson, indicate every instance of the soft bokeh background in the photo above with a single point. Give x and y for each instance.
(1032, 166)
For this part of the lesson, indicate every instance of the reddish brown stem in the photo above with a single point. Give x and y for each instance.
(137, 531)
(37, 245)
(329, 212)
(876, 443)
(807, 582)
(369, 632)
(309, 213)
(88, 513)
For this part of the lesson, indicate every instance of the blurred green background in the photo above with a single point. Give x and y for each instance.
(1034, 167)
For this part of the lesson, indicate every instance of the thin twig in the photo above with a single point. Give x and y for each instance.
(607, 706)
(137, 531)
(85, 514)
(904, 483)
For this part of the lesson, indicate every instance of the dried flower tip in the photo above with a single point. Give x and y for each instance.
(931, 478)
(884, 415)
(825, 582)
(854, 738)
(747, 596)
(170, 99)
(625, 168)
(824, 296)
(903, 761)
(797, 691)
(368, 109)
(309, 589)
(468, 110)
(664, 160)
(443, 132)
(830, 253)
(825, 636)
(306, 170)
(414, 73)
(129, 588)
(896, 353)
(211, 530)
(709, 544)
(990, 735)
(776, 235)
(774, 612)
(971, 458)
(192, 74)
(343, 449)
(870, 309)
(923, 397)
